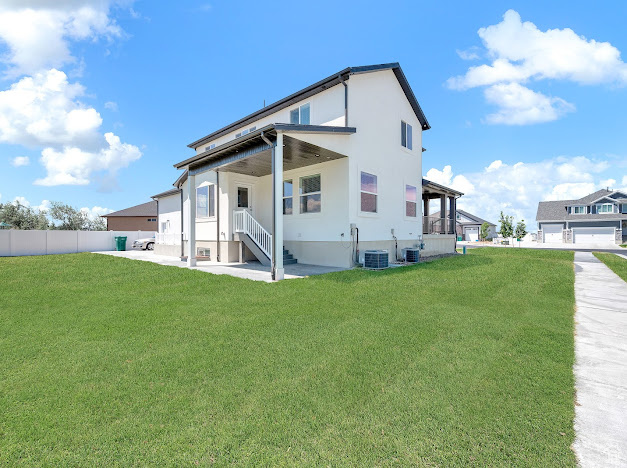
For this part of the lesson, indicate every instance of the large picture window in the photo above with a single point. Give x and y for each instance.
(310, 194)
(605, 208)
(411, 201)
(368, 193)
(406, 135)
(205, 201)
(301, 115)
(288, 194)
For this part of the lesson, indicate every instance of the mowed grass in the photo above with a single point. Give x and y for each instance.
(464, 361)
(617, 264)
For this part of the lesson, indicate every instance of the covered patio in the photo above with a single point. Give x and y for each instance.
(268, 151)
(444, 221)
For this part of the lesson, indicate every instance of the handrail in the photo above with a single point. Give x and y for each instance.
(432, 225)
(244, 222)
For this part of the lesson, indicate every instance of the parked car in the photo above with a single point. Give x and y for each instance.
(147, 243)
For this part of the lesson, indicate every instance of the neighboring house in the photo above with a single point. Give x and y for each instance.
(468, 226)
(136, 218)
(317, 177)
(599, 218)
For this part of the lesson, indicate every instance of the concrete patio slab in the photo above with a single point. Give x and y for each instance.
(253, 270)
(600, 364)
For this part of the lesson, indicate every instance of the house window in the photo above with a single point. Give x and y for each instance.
(411, 201)
(246, 131)
(301, 115)
(579, 210)
(242, 197)
(288, 193)
(152, 220)
(164, 226)
(406, 135)
(605, 208)
(205, 201)
(368, 193)
(310, 191)
(210, 147)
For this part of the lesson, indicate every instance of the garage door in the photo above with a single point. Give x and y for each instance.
(597, 235)
(472, 234)
(552, 232)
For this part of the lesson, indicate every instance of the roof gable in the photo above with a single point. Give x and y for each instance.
(145, 209)
(333, 80)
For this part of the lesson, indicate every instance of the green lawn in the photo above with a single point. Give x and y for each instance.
(617, 264)
(464, 361)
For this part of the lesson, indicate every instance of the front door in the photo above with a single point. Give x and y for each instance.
(244, 198)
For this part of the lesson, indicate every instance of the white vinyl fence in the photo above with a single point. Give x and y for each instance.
(15, 243)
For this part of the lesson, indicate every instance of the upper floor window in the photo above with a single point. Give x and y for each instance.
(406, 135)
(605, 208)
(301, 115)
(152, 220)
(411, 201)
(288, 193)
(310, 194)
(210, 147)
(368, 193)
(579, 210)
(246, 131)
(205, 201)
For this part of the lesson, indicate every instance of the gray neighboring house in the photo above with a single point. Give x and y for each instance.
(598, 218)
(468, 226)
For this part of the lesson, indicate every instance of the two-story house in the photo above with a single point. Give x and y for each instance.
(318, 177)
(598, 218)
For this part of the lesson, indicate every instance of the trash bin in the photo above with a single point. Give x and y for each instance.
(459, 238)
(120, 243)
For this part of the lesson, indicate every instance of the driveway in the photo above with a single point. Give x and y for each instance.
(600, 364)
(252, 270)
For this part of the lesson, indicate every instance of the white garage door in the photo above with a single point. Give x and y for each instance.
(472, 234)
(552, 232)
(597, 235)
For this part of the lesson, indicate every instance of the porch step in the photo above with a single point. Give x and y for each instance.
(288, 258)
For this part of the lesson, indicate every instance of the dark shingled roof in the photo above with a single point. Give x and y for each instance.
(145, 209)
(556, 210)
(476, 219)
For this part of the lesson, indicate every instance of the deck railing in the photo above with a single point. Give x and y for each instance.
(244, 222)
(431, 225)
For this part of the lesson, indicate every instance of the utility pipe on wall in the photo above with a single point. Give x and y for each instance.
(345, 100)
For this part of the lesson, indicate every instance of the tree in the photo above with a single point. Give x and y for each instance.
(485, 231)
(23, 217)
(71, 219)
(507, 229)
(521, 229)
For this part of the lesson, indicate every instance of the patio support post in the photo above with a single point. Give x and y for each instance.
(191, 221)
(425, 219)
(443, 213)
(452, 215)
(277, 225)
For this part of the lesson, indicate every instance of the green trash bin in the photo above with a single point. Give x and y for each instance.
(120, 243)
(459, 238)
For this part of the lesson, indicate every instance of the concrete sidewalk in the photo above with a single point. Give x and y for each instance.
(600, 364)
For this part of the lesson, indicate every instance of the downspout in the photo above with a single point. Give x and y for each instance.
(218, 214)
(273, 259)
(182, 226)
(345, 100)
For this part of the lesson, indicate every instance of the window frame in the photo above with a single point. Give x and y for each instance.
(300, 118)
(407, 131)
(375, 193)
(574, 210)
(601, 205)
(211, 201)
(415, 202)
(291, 197)
(301, 194)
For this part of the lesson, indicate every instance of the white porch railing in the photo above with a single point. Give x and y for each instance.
(169, 238)
(244, 222)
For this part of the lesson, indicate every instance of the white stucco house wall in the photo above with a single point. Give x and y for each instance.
(325, 173)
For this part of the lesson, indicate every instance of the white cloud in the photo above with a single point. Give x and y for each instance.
(522, 53)
(112, 106)
(469, 54)
(96, 211)
(37, 32)
(516, 189)
(519, 105)
(19, 161)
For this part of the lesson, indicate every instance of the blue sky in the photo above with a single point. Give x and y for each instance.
(100, 98)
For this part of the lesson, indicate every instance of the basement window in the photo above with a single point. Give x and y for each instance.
(310, 194)
(301, 115)
(368, 193)
(406, 135)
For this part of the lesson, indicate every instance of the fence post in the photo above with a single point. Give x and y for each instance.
(10, 242)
